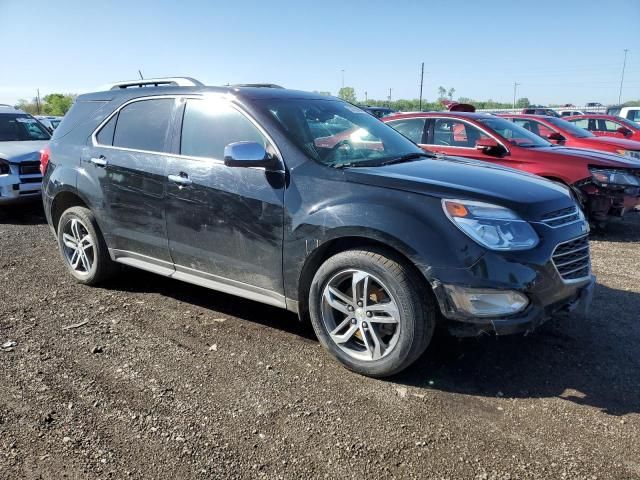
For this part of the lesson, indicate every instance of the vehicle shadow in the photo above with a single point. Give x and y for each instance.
(134, 280)
(28, 213)
(625, 231)
(593, 361)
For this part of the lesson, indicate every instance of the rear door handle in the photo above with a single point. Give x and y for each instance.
(99, 161)
(181, 179)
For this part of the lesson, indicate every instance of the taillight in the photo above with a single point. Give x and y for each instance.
(45, 153)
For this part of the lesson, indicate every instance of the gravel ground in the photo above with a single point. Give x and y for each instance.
(168, 380)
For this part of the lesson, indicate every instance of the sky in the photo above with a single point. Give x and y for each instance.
(561, 51)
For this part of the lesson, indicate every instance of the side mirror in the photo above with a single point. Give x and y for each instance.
(249, 154)
(489, 146)
(624, 131)
(555, 137)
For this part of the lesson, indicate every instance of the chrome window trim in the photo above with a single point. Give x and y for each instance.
(201, 97)
(468, 123)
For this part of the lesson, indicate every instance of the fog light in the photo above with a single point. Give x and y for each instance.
(486, 302)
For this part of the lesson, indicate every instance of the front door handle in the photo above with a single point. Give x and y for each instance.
(99, 161)
(181, 179)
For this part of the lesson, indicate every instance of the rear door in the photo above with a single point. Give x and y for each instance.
(225, 224)
(127, 162)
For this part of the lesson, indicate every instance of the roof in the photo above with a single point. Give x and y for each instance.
(250, 92)
(471, 115)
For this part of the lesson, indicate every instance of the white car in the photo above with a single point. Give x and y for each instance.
(49, 121)
(630, 113)
(21, 139)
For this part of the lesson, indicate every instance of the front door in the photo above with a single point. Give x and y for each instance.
(224, 224)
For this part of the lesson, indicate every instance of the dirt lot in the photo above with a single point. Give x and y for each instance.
(167, 380)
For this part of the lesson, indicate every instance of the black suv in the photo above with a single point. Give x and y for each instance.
(308, 203)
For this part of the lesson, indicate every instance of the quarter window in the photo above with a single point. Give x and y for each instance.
(144, 125)
(208, 127)
(412, 128)
(105, 135)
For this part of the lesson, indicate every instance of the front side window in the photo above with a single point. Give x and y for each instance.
(455, 133)
(412, 128)
(337, 133)
(634, 115)
(514, 133)
(17, 127)
(209, 126)
(569, 127)
(144, 125)
(534, 127)
(583, 123)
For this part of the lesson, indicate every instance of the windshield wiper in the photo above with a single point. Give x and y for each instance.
(409, 157)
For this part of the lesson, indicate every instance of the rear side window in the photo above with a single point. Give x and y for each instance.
(144, 125)
(79, 112)
(412, 128)
(582, 123)
(208, 127)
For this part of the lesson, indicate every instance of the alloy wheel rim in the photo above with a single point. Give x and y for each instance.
(360, 315)
(78, 246)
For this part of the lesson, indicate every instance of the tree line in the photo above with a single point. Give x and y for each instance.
(56, 104)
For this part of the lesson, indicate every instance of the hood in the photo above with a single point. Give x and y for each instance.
(594, 157)
(23, 151)
(621, 143)
(451, 177)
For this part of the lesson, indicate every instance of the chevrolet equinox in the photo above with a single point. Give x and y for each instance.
(309, 203)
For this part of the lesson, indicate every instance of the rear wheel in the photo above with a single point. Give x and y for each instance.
(82, 247)
(371, 311)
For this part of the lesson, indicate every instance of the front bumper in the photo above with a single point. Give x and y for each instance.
(576, 303)
(15, 189)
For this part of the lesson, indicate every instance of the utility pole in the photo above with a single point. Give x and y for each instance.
(421, 83)
(515, 87)
(365, 97)
(38, 101)
(342, 77)
(389, 98)
(624, 64)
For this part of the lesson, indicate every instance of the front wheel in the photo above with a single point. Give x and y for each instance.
(371, 311)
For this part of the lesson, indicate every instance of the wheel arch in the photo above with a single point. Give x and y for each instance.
(63, 201)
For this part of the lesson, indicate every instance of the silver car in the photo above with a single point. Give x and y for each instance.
(21, 139)
(49, 121)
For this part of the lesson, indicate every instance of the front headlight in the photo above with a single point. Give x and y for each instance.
(635, 154)
(605, 177)
(492, 226)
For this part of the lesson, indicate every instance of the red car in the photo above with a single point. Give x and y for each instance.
(562, 132)
(607, 185)
(603, 125)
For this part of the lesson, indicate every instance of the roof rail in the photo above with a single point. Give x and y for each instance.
(257, 85)
(157, 82)
(7, 106)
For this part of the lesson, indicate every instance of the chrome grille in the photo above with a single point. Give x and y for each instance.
(557, 218)
(572, 259)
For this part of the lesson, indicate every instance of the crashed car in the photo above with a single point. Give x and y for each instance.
(607, 185)
(22, 138)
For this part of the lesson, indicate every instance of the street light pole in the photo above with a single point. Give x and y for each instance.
(389, 98)
(624, 64)
(421, 83)
(515, 87)
(342, 77)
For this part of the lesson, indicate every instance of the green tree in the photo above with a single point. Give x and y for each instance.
(523, 102)
(348, 94)
(451, 92)
(442, 92)
(29, 107)
(57, 104)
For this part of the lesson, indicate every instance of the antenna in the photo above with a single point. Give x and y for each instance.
(140, 73)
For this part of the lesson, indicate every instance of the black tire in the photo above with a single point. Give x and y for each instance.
(416, 308)
(102, 267)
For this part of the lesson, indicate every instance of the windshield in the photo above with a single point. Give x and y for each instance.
(569, 127)
(514, 134)
(15, 127)
(337, 133)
